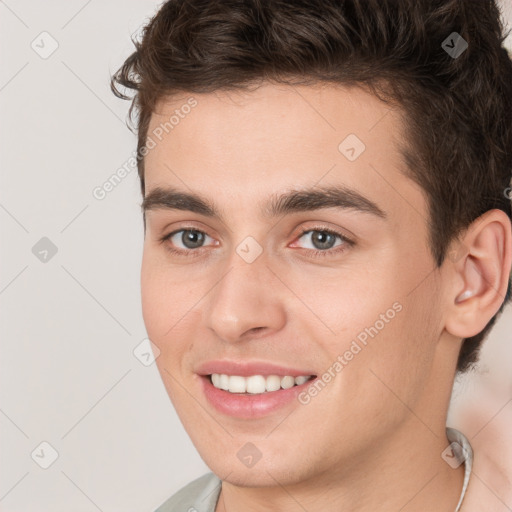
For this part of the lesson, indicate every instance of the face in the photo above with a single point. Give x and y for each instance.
(333, 281)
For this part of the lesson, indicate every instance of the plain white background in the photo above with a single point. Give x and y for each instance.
(71, 319)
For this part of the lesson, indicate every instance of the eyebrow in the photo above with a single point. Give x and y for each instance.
(293, 201)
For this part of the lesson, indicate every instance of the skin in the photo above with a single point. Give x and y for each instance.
(372, 438)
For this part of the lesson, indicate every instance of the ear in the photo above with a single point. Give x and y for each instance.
(481, 273)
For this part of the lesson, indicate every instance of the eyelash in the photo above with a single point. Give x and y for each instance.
(316, 253)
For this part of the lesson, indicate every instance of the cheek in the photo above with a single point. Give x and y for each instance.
(397, 361)
(347, 302)
(169, 308)
(377, 325)
(152, 296)
(160, 300)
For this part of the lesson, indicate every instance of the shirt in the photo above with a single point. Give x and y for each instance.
(202, 494)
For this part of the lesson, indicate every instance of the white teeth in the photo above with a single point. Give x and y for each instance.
(287, 382)
(237, 384)
(224, 382)
(256, 384)
(273, 383)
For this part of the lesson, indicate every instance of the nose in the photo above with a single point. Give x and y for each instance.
(248, 299)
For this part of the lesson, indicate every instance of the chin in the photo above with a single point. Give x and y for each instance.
(265, 473)
(255, 477)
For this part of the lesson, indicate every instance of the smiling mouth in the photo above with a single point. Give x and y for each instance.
(256, 384)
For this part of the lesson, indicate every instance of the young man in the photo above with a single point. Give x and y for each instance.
(327, 242)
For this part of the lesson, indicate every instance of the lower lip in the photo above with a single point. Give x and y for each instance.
(250, 406)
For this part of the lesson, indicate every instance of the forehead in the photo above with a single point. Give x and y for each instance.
(278, 136)
(313, 115)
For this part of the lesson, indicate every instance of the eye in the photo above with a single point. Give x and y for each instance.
(191, 240)
(323, 241)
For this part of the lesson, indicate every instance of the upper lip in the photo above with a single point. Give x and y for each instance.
(248, 368)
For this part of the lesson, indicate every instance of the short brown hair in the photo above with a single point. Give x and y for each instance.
(457, 108)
